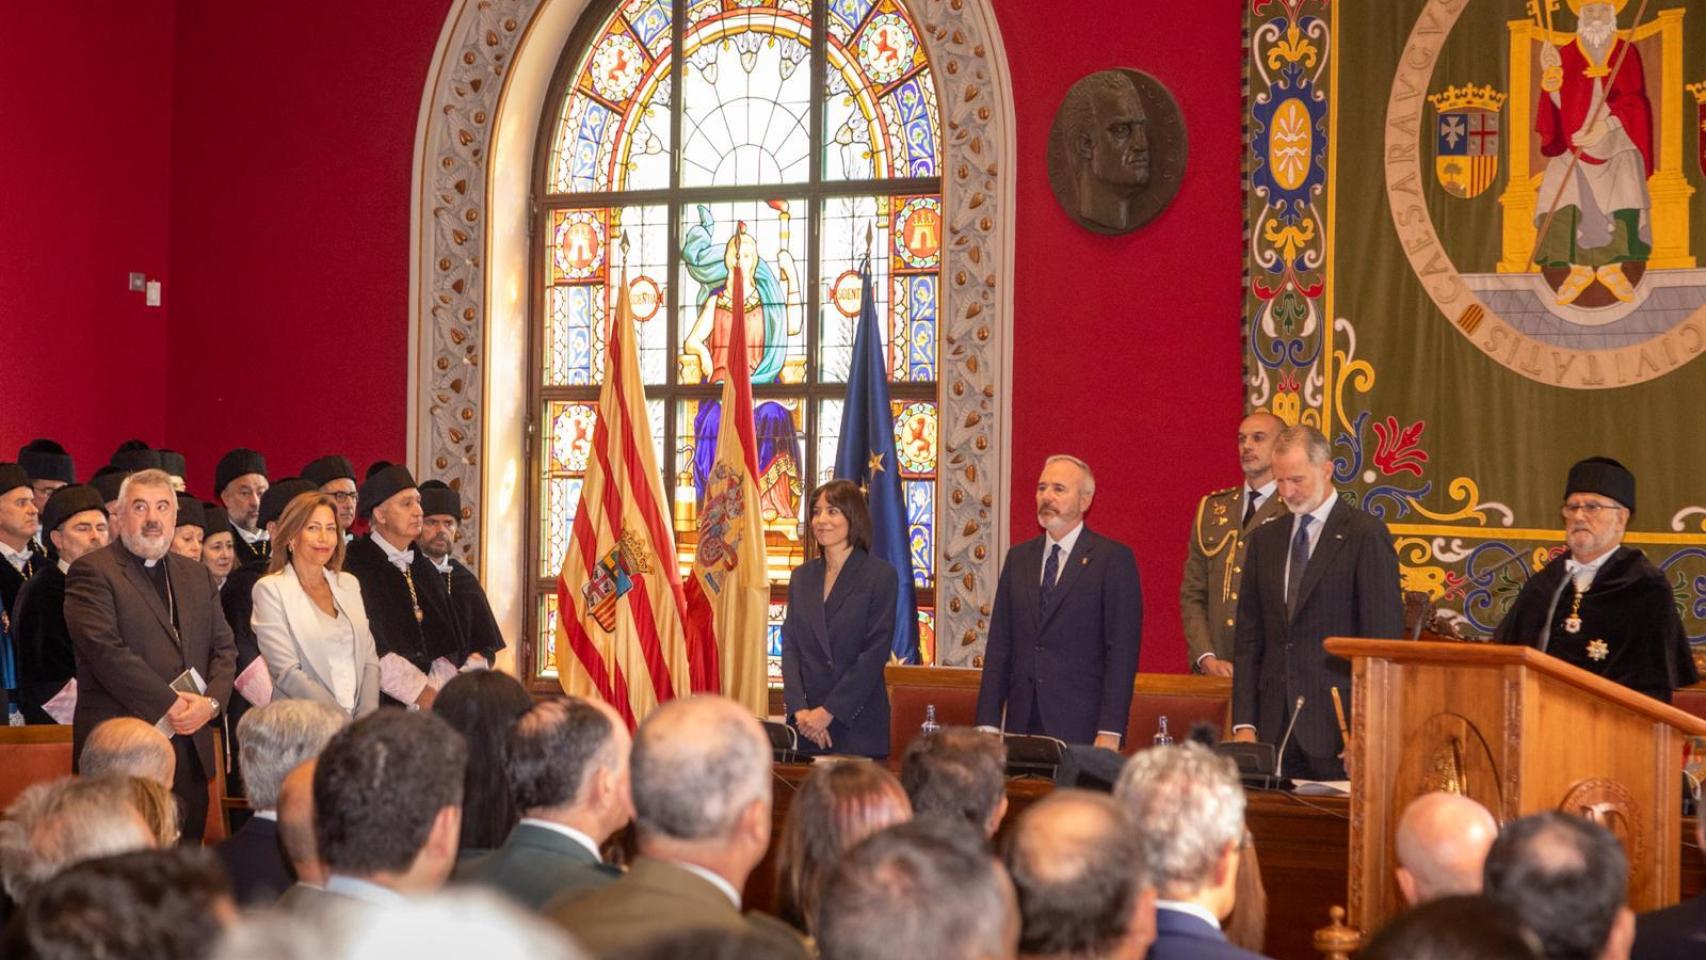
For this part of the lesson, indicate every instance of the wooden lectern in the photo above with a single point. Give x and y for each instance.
(1519, 731)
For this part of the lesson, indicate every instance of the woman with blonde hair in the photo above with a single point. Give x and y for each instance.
(309, 620)
(838, 805)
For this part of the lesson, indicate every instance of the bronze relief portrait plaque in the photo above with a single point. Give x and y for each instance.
(1117, 151)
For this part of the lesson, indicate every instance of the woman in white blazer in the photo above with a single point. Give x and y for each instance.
(308, 616)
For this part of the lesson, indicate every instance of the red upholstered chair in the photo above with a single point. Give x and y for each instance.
(952, 690)
(1184, 699)
(29, 755)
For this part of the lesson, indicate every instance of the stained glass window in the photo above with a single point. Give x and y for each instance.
(810, 130)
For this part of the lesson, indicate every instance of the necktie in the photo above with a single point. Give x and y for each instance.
(1051, 570)
(1299, 560)
(1249, 507)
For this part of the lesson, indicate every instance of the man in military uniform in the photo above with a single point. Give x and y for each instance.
(1208, 596)
(1600, 605)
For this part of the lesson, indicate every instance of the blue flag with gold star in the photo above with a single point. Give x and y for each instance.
(867, 457)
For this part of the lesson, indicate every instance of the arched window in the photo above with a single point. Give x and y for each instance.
(812, 122)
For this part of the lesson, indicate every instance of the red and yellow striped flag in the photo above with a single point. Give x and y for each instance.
(729, 592)
(622, 611)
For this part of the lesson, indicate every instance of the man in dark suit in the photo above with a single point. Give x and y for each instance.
(1084, 890)
(273, 740)
(1677, 932)
(140, 617)
(567, 766)
(701, 785)
(1068, 620)
(1330, 571)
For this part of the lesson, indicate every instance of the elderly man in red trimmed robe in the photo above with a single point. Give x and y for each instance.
(1602, 205)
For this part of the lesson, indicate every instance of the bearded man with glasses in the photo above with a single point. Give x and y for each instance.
(1600, 605)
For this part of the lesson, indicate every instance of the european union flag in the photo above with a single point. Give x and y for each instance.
(867, 457)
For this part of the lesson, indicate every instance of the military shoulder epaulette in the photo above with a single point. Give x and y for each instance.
(1222, 493)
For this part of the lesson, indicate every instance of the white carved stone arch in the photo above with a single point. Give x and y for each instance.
(468, 278)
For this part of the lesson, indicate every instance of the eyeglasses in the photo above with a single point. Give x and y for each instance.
(1589, 510)
(342, 496)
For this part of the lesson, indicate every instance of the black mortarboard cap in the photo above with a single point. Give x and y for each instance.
(327, 469)
(279, 495)
(384, 481)
(191, 513)
(135, 456)
(1604, 476)
(47, 460)
(12, 477)
(237, 463)
(67, 502)
(108, 480)
(215, 520)
(173, 463)
(438, 499)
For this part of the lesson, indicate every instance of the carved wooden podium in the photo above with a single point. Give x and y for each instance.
(1519, 731)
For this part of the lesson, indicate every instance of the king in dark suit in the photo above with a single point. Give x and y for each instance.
(1067, 624)
(1327, 571)
(139, 617)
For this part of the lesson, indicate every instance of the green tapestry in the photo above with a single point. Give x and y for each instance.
(1476, 253)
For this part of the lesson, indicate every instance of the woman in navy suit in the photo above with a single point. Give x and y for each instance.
(836, 638)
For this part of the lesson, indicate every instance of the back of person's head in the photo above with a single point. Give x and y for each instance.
(957, 772)
(85, 818)
(1454, 928)
(296, 824)
(838, 805)
(158, 807)
(714, 943)
(454, 924)
(1078, 870)
(1566, 878)
(483, 706)
(146, 905)
(1188, 807)
(1442, 843)
(925, 888)
(17, 859)
(273, 740)
(129, 747)
(699, 766)
(380, 785)
(557, 747)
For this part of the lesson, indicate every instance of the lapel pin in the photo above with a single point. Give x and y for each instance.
(1084, 561)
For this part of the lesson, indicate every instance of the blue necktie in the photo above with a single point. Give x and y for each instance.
(1299, 560)
(1051, 570)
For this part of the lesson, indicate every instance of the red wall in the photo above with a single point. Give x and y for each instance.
(1127, 349)
(84, 152)
(292, 138)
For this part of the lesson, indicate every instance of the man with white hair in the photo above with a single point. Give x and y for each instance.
(1067, 623)
(273, 740)
(1188, 808)
(140, 618)
(1442, 846)
(701, 787)
(70, 820)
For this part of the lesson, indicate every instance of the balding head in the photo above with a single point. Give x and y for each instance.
(567, 762)
(1083, 890)
(128, 746)
(1442, 846)
(296, 823)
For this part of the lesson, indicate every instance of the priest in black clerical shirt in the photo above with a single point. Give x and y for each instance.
(442, 509)
(74, 522)
(1602, 606)
(408, 607)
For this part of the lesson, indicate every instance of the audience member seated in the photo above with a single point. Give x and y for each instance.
(296, 839)
(158, 807)
(567, 764)
(483, 706)
(388, 806)
(1678, 931)
(1188, 807)
(127, 746)
(1454, 928)
(960, 773)
(146, 905)
(16, 862)
(451, 925)
(838, 805)
(1566, 878)
(702, 807)
(272, 741)
(1079, 873)
(928, 889)
(1442, 846)
(70, 820)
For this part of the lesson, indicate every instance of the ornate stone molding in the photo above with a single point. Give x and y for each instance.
(450, 277)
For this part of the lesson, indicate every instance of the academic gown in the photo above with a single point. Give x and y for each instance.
(391, 612)
(479, 627)
(42, 641)
(248, 555)
(1628, 616)
(236, 597)
(11, 584)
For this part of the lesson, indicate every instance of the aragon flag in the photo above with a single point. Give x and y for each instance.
(621, 609)
(729, 592)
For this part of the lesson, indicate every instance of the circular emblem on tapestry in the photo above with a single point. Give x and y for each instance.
(1116, 153)
(1575, 268)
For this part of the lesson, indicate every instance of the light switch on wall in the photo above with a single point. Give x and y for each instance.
(154, 293)
(138, 282)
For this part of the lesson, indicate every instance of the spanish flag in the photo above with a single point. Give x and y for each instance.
(729, 592)
(622, 611)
